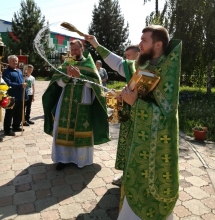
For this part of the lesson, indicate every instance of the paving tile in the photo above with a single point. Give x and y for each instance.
(185, 173)
(100, 191)
(78, 186)
(185, 184)
(6, 201)
(66, 200)
(37, 169)
(39, 176)
(33, 148)
(196, 192)
(208, 189)
(108, 201)
(75, 178)
(5, 157)
(41, 194)
(61, 190)
(19, 180)
(89, 175)
(97, 214)
(108, 179)
(183, 196)
(49, 203)
(20, 166)
(6, 161)
(41, 184)
(24, 197)
(20, 155)
(23, 187)
(34, 158)
(209, 202)
(109, 163)
(195, 162)
(25, 208)
(34, 216)
(181, 211)
(89, 205)
(193, 217)
(84, 195)
(196, 207)
(4, 168)
(17, 151)
(8, 212)
(50, 215)
(85, 169)
(7, 191)
(105, 172)
(33, 153)
(53, 174)
(196, 181)
(206, 178)
(209, 216)
(20, 160)
(197, 171)
(7, 175)
(6, 152)
(70, 211)
(58, 182)
(95, 183)
(113, 189)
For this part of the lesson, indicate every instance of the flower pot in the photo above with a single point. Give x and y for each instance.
(199, 135)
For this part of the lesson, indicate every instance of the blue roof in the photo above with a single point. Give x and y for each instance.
(6, 22)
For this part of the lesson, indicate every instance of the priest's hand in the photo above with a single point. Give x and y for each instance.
(129, 96)
(73, 71)
(91, 39)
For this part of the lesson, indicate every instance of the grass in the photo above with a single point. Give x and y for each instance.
(115, 85)
(197, 109)
(40, 78)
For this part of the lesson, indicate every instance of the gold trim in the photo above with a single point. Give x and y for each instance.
(65, 143)
(65, 130)
(83, 134)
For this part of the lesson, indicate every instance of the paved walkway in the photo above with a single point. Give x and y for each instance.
(31, 188)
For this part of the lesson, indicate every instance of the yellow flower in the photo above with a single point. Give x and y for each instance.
(4, 87)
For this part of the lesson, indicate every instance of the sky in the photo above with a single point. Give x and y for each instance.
(79, 13)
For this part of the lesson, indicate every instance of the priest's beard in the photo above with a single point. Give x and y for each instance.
(143, 58)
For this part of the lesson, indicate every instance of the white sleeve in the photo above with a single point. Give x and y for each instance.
(115, 62)
(61, 83)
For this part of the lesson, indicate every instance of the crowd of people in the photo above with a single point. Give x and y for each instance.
(22, 90)
(76, 116)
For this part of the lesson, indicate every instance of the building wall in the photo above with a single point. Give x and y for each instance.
(56, 40)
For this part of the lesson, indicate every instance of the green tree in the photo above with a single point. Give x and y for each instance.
(25, 25)
(156, 6)
(192, 22)
(159, 18)
(109, 28)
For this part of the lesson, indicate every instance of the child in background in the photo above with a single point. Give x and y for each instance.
(30, 80)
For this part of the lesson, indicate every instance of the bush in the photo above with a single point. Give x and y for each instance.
(115, 85)
(197, 108)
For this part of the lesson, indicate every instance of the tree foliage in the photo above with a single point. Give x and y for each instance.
(192, 22)
(25, 25)
(159, 18)
(109, 28)
(156, 7)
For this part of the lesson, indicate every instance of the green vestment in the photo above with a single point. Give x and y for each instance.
(151, 178)
(80, 124)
